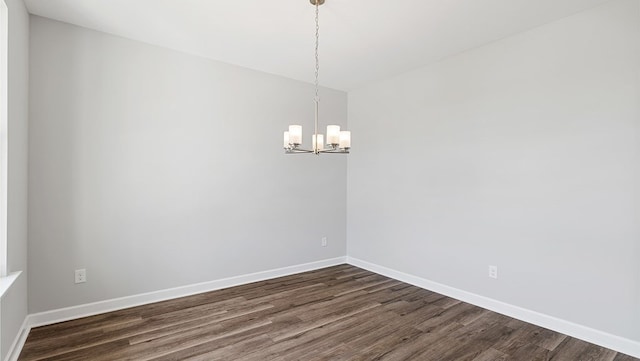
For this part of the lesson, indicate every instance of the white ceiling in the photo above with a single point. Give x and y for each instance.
(360, 41)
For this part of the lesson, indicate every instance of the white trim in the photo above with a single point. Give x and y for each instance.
(18, 343)
(6, 282)
(90, 309)
(617, 343)
(4, 127)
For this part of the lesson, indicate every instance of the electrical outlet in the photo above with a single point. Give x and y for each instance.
(324, 241)
(81, 275)
(493, 272)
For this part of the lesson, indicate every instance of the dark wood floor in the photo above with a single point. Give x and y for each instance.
(338, 313)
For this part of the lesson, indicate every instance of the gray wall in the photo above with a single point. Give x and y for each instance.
(14, 303)
(523, 154)
(154, 169)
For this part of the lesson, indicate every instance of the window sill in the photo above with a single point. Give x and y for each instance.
(7, 281)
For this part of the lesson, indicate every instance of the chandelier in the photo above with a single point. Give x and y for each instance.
(337, 141)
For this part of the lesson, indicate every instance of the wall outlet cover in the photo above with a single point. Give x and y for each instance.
(493, 272)
(81, 275)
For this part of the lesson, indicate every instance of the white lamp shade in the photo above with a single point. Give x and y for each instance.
(333, 134)
(286, 140)
(345, 139)
(295, 134)
(320, 144)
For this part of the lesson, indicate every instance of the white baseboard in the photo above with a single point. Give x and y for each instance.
(585, 333)
(597, 337)
(90, 309)
(18, 343)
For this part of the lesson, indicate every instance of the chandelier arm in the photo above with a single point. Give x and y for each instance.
(298, 151)
(325, 151)
(335, 151)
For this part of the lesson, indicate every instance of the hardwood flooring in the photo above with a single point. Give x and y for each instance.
(337, 313)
